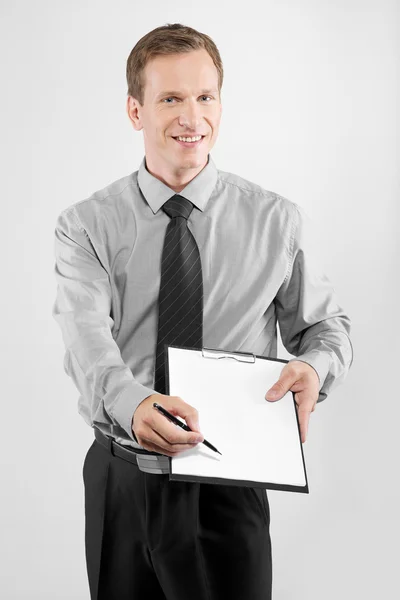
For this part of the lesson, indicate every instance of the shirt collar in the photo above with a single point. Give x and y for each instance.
(198, 190)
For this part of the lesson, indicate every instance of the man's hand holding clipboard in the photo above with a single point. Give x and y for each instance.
(301, 378)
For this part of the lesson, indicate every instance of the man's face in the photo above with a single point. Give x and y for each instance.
(181, 98)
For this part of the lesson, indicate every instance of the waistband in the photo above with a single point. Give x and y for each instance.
(148, 462)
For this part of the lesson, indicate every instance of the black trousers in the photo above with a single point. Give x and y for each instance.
(150, 538)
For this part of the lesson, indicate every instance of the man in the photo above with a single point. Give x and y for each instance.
(179, 252)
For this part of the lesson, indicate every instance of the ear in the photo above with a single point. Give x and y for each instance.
(133, 111)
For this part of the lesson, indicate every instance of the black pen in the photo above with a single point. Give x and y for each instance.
(181, 424)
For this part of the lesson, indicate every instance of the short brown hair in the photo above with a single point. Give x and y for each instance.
(168, 39)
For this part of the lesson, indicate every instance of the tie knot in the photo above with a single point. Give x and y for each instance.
(178, 206)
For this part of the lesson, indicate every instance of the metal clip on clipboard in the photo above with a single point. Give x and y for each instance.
(241, 356)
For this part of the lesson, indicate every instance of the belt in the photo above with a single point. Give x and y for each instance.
(148, 462)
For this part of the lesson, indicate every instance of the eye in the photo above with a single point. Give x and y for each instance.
(173, 97)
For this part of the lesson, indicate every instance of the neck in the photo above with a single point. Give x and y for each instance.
(177, 179)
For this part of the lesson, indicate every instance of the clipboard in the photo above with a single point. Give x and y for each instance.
(260, 441)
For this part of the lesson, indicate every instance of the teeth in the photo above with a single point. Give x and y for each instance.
(192, 139)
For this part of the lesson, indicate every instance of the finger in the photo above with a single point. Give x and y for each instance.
(304, 418)
(179, 408)
(154, 442)
(172, 434)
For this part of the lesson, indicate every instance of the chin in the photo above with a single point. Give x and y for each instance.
(192, 163)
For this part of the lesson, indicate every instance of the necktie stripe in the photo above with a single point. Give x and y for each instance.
(191, 332)
(180, 265)
(175, 275)
(174, 248)
(164, 316)
(194, 332)
(180, 316)
(173, 315)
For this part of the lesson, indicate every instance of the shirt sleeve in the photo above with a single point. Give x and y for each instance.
(313, 326)
(83, 311)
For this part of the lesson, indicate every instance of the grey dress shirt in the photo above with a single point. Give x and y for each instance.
(260, 266)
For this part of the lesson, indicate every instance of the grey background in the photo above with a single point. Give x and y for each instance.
(310, 111)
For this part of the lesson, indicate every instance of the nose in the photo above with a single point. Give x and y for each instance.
(191, 114)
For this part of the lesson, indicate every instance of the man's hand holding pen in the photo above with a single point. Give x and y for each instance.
(158, 434)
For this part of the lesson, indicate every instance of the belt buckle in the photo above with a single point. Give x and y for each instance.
(153, 464)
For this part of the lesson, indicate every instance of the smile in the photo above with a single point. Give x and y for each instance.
(189, 144)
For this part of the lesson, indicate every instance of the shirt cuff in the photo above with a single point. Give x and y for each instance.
(321, 363)
(127, 402)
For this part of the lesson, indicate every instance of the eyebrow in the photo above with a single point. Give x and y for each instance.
(176, 93)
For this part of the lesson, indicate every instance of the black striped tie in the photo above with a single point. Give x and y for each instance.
(180, 304)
